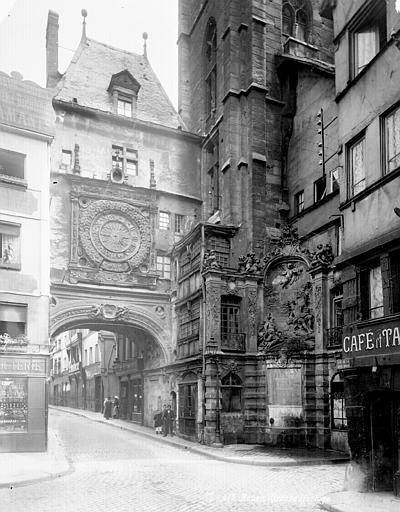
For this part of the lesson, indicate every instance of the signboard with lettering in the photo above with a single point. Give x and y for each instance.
(20, 365)
(24, 104)
(373, 340)
(13, 404)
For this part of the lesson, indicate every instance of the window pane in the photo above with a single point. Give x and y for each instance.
(366, 46)
(12, 163)
(357, 166)
(393, 140)
(164, 220)
(131, 167)
(375, 292)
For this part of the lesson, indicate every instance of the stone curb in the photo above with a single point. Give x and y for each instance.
(46, 477)
(211, 455)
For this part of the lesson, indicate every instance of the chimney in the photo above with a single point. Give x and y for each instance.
(52, 75)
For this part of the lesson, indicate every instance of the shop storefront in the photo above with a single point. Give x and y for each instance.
(371, 371)
(23, 402)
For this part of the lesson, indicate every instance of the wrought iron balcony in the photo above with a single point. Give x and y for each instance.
(233, 341)
(334, 337)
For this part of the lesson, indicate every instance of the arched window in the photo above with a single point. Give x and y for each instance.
(287, 19)
(296, 16)
(231, 388)
(210, 66)
(301, 25)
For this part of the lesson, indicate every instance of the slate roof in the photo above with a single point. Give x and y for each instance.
(88, 77)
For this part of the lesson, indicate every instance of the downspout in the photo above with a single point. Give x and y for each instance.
(204, 334)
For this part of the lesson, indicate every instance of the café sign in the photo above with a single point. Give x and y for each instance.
(379, 339)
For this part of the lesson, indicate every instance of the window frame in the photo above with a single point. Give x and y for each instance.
(318, 196)
(4, 245)
(23, 312)
(179, 222)
(126, 154)
(385, 140)
(299, 205)
(164, 220)
(124, 100)
(230, 314)
(230, 387)
(360, 139)
(163, 266)
(20, 161)
(339, 384)
(371, 14)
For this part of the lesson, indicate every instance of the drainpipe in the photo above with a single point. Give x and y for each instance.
(204, 332)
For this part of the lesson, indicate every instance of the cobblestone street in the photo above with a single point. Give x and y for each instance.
(115, 470)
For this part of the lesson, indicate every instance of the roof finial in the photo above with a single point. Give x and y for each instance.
(84, 14)
(145, 36)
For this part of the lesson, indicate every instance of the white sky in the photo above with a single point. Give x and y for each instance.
(119, 23)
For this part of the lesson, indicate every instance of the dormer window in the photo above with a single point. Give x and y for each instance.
(124, 106)
(124, 89)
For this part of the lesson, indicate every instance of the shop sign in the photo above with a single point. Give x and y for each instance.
(13, 404)
(23, 365)
(380, 339)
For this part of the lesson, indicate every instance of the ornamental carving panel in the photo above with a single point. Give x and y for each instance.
(113, 236)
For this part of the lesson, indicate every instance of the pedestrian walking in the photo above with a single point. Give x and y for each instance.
(158, 421)
(168, 418)
(116, 407)
(107, 408)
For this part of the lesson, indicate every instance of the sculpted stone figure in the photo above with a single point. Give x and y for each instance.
(250, 264)
(210, 260)
(323, 256)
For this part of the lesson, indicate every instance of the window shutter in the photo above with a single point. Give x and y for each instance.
(386, 283)
(350, 295)
(394, 282)
(364, 293)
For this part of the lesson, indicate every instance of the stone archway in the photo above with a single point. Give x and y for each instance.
(108, 316)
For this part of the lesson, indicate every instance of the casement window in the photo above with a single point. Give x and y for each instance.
(164, 267)
(367, 35)
(333, 180)
(221, 248)
(10, 246)
(125, 159)
(12, 166)
(164, 221)
(66, 160)
(371, 290)
(124, 106)
(96, 353)
(391, 133)
(299, 202)
(356, 166)
(230, 314)
(189, 319)
(13, 319)
(179, 223)
(319, 189)
(338, 411)
(231, 390)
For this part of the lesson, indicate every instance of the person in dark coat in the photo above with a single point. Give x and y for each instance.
(168, 418)
(107, 408)
(158, 421)
(116, 407)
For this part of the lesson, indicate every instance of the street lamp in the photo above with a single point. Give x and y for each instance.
(211, 350)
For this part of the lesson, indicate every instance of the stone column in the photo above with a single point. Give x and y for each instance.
(321, 422)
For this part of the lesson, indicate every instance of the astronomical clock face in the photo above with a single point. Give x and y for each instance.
(114, 236)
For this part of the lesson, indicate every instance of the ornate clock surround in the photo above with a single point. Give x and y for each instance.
(110, 241)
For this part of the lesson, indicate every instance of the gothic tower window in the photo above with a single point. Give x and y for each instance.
(210, 67)
(296, 16)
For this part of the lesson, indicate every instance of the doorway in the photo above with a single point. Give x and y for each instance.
(188, 406)
(384, 443)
